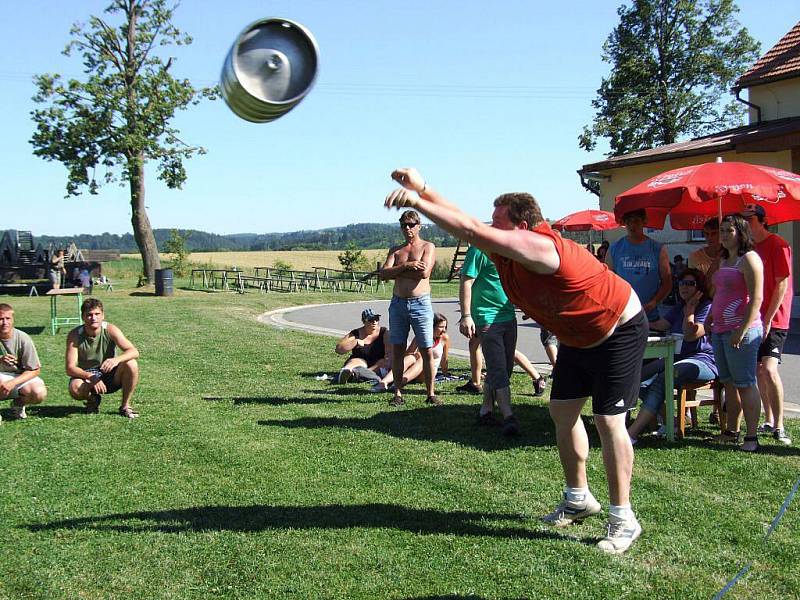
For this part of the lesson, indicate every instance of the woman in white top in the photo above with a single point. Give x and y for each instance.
(412, 366)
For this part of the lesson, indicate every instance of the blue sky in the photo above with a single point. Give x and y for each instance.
(482, 98)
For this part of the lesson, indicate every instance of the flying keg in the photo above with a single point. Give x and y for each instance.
(269, 69)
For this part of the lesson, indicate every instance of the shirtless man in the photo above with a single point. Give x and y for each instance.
(410, 265)
(19, 366)
(598, 320)
(92, 362)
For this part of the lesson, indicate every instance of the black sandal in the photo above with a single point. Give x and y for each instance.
(750, 444)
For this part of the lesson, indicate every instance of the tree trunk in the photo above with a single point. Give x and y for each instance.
(142, 231)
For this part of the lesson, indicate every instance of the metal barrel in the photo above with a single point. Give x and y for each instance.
(163, 282)
(269, 69)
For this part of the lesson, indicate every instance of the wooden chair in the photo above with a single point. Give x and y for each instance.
(686, 397)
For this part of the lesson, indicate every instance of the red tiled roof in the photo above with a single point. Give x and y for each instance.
(781, 62)
(739, 139)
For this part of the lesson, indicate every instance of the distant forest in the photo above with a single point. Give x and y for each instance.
(363, 235)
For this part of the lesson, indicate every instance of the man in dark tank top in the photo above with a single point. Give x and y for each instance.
(92, 362)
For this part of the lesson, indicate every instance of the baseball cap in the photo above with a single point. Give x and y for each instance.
(756, 210)
(369, 315)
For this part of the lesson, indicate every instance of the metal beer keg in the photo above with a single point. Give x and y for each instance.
(269, 69)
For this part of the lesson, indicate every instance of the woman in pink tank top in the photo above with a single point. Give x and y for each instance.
(736, 327)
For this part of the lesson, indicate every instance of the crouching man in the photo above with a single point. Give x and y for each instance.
(19, 366)
(92, 364)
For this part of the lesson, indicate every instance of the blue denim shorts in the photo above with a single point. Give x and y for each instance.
(411, 313)
(737, 365)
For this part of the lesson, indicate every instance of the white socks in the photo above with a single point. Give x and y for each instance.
(620, 513)
(578, 495)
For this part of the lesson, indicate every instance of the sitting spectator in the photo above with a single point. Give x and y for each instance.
(602, 251)
(412, 361)
(678, 266)
(19, 366)
(367, 348)
(85, 278)
(93, 365)
(694, 362)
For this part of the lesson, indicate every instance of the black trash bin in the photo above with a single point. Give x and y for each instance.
(163, 282)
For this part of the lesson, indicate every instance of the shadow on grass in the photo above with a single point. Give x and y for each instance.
(55, 412)
(452, 597)
(333, 516)
(268, 400)
(449, 423)
(35, 330)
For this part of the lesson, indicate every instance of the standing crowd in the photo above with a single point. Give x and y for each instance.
(732, 312)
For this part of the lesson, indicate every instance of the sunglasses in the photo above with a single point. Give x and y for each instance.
(373, 319)
(688, 282)
(407, 225)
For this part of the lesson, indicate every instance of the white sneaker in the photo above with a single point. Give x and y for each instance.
(620, 535)
(780, 436)
(18, 412)
(567, 513)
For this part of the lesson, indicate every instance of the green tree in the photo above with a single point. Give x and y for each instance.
(353, 259)
(176, 245)
(118, 117)
(672, 63)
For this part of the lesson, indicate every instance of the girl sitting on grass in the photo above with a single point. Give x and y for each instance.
(412, 362)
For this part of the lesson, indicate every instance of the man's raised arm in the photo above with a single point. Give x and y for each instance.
(535, 252)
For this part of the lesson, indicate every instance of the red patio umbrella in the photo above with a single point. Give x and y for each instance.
(684, 194)
(586, 220)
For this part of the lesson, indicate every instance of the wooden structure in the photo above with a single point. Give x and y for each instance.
(458, 260)
(686, 398)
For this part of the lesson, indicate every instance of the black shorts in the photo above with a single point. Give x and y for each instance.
(772, 345)
(610, 373)
(547, 338)
(108, 379)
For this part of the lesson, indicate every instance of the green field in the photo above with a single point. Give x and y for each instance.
(247, 478)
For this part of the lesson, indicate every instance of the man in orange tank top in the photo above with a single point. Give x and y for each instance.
(596, 316)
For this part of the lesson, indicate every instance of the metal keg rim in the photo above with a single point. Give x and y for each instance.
(234, 53)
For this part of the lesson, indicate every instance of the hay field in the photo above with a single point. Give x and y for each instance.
(301, 260)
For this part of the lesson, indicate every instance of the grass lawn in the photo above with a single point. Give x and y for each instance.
(287, 487)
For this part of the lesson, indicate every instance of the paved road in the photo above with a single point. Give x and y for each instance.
(336, 319)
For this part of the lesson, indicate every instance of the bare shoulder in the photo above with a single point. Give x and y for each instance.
(72, 337)
(114, 331)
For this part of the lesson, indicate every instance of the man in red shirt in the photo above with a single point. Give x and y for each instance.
(776, 309)
(601, 326)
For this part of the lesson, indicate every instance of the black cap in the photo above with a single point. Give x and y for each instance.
(369, 315)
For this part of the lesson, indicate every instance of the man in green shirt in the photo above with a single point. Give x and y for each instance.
(93, 365)
(486, 312)
(19, 366)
